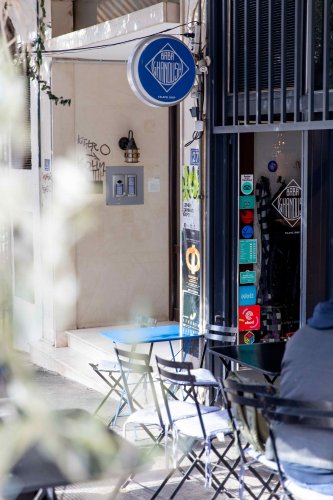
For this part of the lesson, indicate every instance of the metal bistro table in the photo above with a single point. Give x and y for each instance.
(146, 335)
(265, 358)
(152, 334)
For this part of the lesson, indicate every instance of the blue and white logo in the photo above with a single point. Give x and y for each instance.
(167, 67)
(161, 70)
(247, 295)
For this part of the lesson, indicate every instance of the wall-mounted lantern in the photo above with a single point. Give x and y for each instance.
(128, 145)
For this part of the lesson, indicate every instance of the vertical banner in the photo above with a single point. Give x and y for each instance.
(191, 278)
(191, 242)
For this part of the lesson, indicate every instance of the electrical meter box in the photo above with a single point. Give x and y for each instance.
(124, 185)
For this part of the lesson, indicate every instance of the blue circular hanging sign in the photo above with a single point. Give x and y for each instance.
(161, 70)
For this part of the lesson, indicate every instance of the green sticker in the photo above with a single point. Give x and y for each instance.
(247, 251)
(246, 202)
(246, 184)
(247, 187)
(247, 277)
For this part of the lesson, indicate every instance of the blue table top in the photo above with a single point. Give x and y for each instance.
(150, 334)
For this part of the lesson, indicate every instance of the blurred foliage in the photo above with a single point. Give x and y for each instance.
(28, 55)
(79, 445)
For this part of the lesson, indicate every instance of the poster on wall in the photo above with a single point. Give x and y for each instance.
(191, 264)
(191, 241)
(191, 193)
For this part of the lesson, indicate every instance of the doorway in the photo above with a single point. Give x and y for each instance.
(270, 193)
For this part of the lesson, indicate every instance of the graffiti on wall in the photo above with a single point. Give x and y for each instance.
(95, 157)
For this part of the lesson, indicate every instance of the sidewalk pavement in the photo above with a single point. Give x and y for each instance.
(61, 393)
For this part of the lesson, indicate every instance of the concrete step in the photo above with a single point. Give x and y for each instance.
(87, 346)
(90, 343)
(68, 363)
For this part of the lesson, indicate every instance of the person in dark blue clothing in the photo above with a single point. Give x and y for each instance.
(307, 374)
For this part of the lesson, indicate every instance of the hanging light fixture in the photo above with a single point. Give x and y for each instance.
(128, 145)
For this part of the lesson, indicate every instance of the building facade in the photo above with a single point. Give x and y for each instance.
(235, 229)
(125, 267)
(269, 182)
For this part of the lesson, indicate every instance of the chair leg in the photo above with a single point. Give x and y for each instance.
(196, 462)
(185, 477)
(169, 475)
(266, 484)
(113, 387)
(230, 469)
(157, 442)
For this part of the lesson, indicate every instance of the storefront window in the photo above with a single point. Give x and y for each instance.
(269, 235)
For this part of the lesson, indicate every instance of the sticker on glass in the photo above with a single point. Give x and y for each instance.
(247, 183)
(246, 202)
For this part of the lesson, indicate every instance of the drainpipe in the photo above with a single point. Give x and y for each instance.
(202, 146)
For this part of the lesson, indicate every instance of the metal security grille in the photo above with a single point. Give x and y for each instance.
(272, 64)
(252, 22)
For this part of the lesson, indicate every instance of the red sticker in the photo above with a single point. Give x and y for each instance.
(249, 318)
(247, 216)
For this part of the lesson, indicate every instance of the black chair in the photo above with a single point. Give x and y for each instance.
(245, 403)
(220, 335)
(214, 335)
(308, 415)
(197, 435)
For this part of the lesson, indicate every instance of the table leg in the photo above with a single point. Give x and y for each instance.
(185, 351)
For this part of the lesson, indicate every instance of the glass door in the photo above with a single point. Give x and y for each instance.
(269, 259)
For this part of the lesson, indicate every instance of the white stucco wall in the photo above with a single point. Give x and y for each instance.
(28, 310)
(122, 264)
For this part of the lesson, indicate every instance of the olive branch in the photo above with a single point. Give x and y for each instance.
(29, 57)
(34, 64)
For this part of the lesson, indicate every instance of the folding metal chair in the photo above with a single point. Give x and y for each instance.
(196, 435)
(245, 403)
(153, 417)
(222, 335)
(215, 335)
(308, 415)
(153, 413)
(109, 371)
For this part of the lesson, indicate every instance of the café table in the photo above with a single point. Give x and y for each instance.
(145, 335)
(264, 357)
(153, 334)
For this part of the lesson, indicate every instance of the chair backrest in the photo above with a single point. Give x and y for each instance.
(245, 403)
(218, 334)
(137, 363)
(314, 415)
(178, 373)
